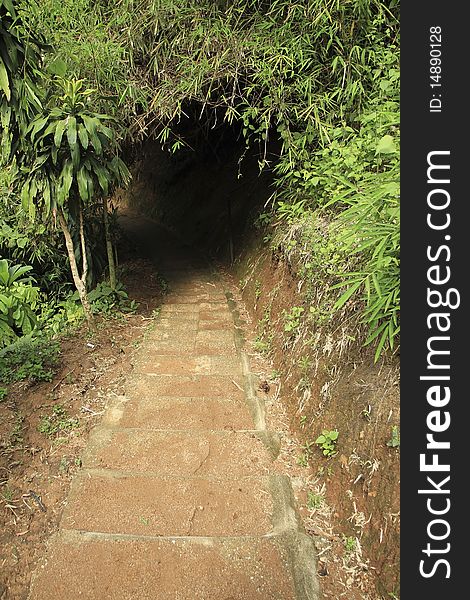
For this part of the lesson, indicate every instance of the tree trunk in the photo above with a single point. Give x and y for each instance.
(83, 247)
(109, 247)
(78, 281)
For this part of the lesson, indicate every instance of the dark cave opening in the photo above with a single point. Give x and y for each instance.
(208, 193)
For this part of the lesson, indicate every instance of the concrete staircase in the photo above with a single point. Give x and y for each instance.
(180, 496)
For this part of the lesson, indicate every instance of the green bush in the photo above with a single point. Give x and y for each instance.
(29, 358)
(18, 301)
(106, 300)
(339, 208)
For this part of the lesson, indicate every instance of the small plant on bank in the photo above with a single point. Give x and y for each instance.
(292, 319)
(314, 501)
(394, 442)
(350, 544)
(57, 422)
(302, 460)
(7, 494)
(327, 441)
(3, 393)
(328, 472)
(261, 346)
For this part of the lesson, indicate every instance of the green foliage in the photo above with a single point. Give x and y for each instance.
(292, 319)
(18, 301)
(394, 442)
(314, 500)
(106, 300)
(20, 59)
(269, 66)
(73, 154)
(327, 441)
(321, 78)
(372, 232)
(341, 206)
(61, 316)
(57, 423)
(30, 243)
(29, 358)
(89, 42)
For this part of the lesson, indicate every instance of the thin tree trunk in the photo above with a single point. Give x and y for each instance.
(78, 281)
(109, 247)
(83, 246)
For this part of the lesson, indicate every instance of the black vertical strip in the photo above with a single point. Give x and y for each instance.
(435, 270)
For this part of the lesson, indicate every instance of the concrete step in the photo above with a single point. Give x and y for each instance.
(95, 567)
(182, 453)
(188, 307)
(116, 502)
(187, 366)
(185, 386)
(193, 297)
(181, 413)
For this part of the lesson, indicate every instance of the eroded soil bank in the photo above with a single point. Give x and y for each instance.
(329, 381)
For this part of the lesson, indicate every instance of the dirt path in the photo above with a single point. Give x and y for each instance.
(180, 496)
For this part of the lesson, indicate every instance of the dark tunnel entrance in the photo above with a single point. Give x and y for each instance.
(207, 194)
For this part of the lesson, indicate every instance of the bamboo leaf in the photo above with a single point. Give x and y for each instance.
(347, 295)
(4, 81)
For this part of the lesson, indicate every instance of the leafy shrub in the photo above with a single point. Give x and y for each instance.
(61, 316)
(29, 358)
(339, 209)
(105, 299)
(372, 231)
(18, 301)
(327, 441)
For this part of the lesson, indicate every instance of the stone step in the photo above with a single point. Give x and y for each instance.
(187, 365)
(208, 307)
(182, 453)
(185, 386)
(94, 567)
(116, 502)
(193, 297)
(181, 413)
